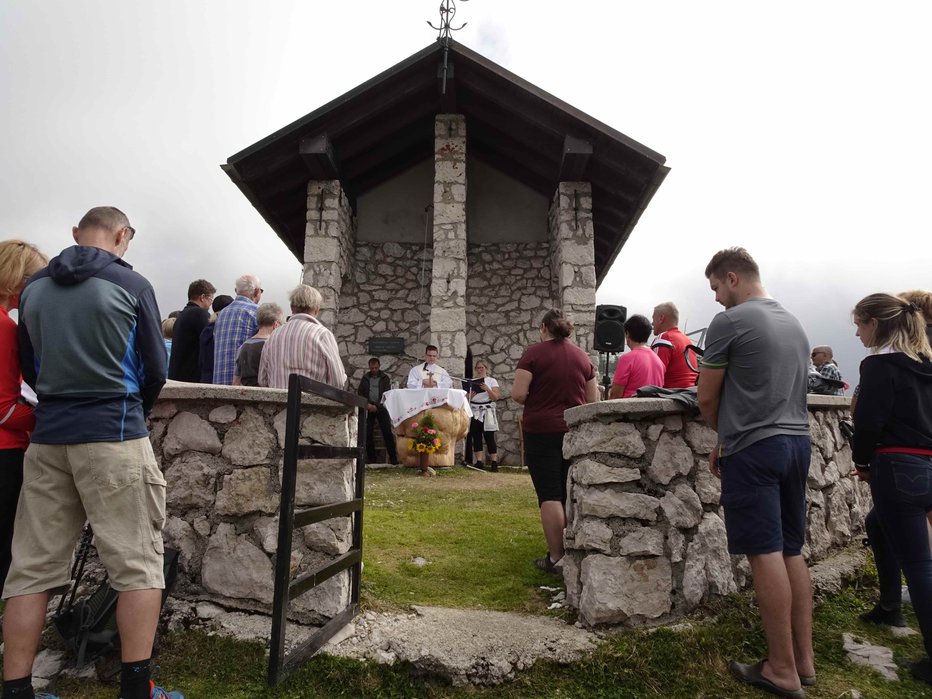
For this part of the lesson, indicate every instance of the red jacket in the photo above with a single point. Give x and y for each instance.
(16, 418)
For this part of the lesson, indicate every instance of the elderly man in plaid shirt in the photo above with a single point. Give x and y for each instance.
(302, 346)
(235, 324)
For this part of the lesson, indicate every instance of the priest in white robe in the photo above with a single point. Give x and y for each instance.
(429, 374)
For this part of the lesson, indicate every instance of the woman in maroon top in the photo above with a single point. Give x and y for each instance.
(18, 262)
(553, 375)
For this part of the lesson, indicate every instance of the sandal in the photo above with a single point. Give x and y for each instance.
(751, 675)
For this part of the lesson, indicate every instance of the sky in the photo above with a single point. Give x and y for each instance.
(799, 130)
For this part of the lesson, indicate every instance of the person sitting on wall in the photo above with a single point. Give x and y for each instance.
(269, 316)
(302, 346)
(372, 387)
(639, 367)
(670, 345)
(824, 377)
(429, 374)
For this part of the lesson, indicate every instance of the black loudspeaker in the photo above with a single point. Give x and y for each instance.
(609, 332)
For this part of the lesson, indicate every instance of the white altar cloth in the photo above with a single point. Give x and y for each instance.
(403, 403)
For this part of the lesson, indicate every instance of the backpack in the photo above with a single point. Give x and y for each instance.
(88, 625)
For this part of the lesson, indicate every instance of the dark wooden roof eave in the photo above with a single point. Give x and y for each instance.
(510, 118)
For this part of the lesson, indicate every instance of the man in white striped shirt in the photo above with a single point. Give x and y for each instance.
(302, 346)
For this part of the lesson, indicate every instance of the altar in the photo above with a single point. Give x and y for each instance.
(450, 410)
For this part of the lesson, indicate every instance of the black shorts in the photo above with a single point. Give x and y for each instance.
(543, 453)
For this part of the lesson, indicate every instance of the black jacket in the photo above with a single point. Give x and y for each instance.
(894, 407)
(186, 344)
(385, 384)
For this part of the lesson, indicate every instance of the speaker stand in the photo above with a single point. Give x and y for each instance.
(606, 379)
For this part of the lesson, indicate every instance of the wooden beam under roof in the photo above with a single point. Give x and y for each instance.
(318, 156)
(575, 159)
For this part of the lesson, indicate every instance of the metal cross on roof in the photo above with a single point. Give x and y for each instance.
(446, 28)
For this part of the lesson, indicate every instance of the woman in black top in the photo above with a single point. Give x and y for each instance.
(893, 441)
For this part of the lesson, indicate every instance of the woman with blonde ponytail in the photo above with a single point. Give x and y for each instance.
(892, 444)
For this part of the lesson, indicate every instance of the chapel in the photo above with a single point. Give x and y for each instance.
(448, 201)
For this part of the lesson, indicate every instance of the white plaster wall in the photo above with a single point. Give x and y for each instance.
(499, 209)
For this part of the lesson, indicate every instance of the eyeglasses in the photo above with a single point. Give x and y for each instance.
(132, 231)
(261, 291)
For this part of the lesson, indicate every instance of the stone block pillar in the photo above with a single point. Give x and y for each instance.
(329, 239)
(572, 257)
(448, 279)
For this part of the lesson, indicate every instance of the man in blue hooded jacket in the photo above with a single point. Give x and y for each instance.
(91, 347)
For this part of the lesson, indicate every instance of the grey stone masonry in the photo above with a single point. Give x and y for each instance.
(329, 238)
(448, 279)
(572, 262)
(386, 295)
(221, 450)
(645, 534)
(507, 292)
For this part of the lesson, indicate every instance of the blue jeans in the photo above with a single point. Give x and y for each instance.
(901, 485)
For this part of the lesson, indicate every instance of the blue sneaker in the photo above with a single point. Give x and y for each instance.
(159, 693)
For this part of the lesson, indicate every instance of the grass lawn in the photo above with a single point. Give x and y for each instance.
(478, 534)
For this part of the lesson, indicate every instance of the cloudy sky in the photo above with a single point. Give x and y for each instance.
(800, 130)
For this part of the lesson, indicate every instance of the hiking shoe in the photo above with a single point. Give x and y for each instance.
(493, 465)
(884, 617)
(159, 693)
(548, 566)
(480, 465)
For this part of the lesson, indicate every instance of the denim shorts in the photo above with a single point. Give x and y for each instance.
(764, 495)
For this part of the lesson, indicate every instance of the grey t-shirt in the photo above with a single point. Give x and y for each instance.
(765, 354)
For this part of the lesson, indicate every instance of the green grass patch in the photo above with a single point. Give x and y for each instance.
(478, 533)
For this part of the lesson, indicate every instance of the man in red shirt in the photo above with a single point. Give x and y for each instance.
(670, 345)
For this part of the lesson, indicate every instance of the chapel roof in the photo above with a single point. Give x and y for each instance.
(386, 125)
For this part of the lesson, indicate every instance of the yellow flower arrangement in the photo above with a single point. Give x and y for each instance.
(426, 438)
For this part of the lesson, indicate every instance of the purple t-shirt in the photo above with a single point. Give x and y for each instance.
(639, 367)
(560, 371)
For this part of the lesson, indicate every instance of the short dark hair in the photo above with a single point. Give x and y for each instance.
(737, 260)
(200, 287)
(638, 327)
(109, 218)
(431, 347)
(221, 302)
(376, 360)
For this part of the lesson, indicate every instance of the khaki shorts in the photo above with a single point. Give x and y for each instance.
(117, 486)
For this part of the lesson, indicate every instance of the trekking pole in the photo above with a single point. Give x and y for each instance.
(77, 569)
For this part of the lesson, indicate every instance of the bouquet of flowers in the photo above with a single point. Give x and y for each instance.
(426, 439)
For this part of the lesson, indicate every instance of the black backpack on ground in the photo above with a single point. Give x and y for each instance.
(88, 625)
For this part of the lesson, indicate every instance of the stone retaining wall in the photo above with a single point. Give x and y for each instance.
(645, 536)
(221, 450)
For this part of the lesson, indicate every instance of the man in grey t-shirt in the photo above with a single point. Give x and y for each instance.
(752, 390)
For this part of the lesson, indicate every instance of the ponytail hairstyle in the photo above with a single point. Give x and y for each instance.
(557, 324)
(921, 298)
(900, 325)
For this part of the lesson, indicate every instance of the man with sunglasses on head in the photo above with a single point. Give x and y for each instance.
(91, 346)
